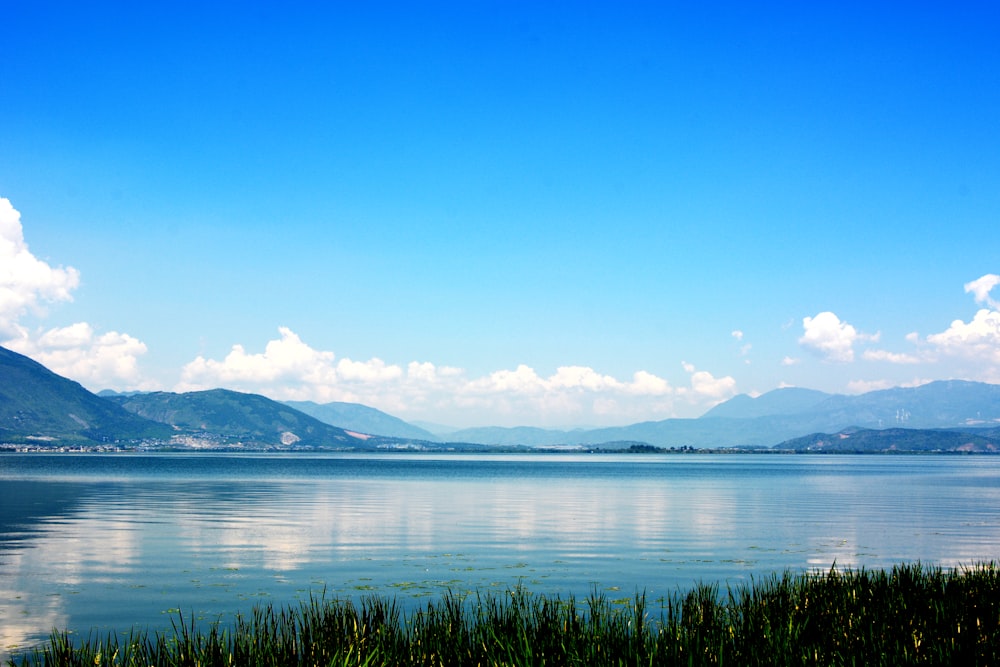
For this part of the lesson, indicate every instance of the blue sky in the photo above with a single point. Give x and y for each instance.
(498, 213)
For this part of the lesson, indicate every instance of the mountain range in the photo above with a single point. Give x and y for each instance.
(223, 417)
(39, 408)
(781, 415)
(898, 440)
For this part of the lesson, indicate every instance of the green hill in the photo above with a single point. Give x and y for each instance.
(897, 440)
(230, 416)
(37, 406)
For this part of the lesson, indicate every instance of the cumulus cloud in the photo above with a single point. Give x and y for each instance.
(981, 288)
(26, 281)
(290, 369)
(373, 370)
(521, 380)
(99, 361)
(830, 338)
(891, 357)
(978, 339)
(865, 386)
(284, 360)
(706, 386)
(649, 384)
(584, 378)
(570, 394)
(107, 360)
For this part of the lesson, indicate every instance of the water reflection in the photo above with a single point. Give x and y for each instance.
(105, 541)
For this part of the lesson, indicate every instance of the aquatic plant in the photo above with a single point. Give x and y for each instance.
(909, 615)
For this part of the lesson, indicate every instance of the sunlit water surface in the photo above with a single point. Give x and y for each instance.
(104, 542)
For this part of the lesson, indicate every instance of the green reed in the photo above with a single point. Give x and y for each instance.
(909, 615)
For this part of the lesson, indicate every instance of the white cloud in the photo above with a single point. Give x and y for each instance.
(583, 377)
(571, 395)
(705, 386)
(373, 370)
(745, 347)
(891, 357)
(978, 340)
(25, 280)
(832, 339)
(105, 361)
(790, 361)
(864, 386)
(422, 372)
(98, 361)
(649, 384)
(285, 359)
(289, 369)
(522, 380)
(981, 288)
(704, 383)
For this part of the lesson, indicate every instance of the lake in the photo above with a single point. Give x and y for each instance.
(102, 542)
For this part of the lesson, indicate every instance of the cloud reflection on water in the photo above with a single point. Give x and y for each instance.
(215, 545)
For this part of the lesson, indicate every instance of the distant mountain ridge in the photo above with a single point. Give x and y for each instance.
(784, 401)
(897, 440)
(362, 419)
(781, 415)
(237, 416)
(39, 407)
(941, 404)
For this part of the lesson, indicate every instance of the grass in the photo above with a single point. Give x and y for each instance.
(910, 615)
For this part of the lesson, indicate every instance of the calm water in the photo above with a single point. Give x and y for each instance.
(107, 541)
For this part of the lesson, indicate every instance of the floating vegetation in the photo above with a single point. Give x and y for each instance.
(910, 615)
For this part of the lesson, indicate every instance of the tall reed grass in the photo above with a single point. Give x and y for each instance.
(910, 615)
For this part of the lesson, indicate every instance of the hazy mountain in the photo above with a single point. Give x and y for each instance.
(237, 416)
(896, 439)
(440, 430)
(699, 433)
(782, 415)
(992, 432)
(942, 404)
(361, 419)
(36, 405)
(785, 401)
